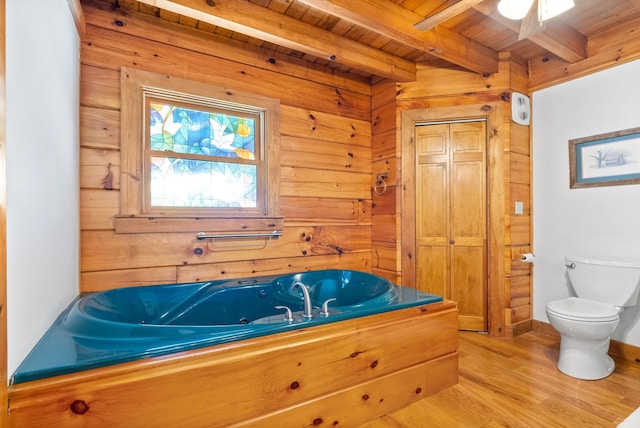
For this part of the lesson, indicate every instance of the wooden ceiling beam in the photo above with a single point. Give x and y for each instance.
(265, 24)
(558, 38)
(444, 15)
(614, 46)
(393, 21)
(562, 40)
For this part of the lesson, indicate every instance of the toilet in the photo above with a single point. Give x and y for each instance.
(585, 322)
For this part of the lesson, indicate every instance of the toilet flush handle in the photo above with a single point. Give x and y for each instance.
(570, 265)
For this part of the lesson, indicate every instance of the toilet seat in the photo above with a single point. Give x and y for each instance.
(583, 310)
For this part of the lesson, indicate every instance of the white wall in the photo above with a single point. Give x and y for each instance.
(42, 169)
(601, 222)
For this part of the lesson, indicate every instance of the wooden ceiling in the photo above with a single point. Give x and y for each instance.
(376, 38)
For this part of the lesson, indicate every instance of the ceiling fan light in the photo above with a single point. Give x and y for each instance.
(549, 8)
(514, 9)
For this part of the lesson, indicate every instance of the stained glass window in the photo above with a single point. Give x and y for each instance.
(196, 157)
(201, 157)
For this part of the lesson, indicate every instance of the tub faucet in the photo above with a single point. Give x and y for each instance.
(307, 300)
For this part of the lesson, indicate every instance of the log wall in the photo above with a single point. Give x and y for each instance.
(510, 308)
(337, 134)
(325, 163)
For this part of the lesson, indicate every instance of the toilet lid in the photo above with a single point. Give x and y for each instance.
(582, 310)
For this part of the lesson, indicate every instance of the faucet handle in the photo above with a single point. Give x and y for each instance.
(325, 307)
(288, 316)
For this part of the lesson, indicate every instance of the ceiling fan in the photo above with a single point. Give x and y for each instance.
(533, 18)
(533, 13)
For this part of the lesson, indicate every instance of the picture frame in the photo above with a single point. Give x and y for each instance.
(610, 159)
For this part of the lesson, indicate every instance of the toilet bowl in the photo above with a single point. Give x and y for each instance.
(585, 329)
(586, 321)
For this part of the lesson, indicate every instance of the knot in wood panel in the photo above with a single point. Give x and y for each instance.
(79, 407)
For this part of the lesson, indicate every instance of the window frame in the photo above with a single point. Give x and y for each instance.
(209, 106)
(135, 214)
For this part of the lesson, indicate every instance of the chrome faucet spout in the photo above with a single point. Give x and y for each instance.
(307, 299)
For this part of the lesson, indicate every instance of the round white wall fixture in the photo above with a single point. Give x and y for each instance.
(520, 108)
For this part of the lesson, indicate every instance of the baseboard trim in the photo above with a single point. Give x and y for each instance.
(625, 351)
(622, 350)
(544, 328)
(518, 328)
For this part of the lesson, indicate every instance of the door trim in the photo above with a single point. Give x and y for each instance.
(494, 115)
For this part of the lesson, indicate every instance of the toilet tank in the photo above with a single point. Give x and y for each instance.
(613, 282)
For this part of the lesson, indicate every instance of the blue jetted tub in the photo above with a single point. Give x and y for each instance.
(128, 324)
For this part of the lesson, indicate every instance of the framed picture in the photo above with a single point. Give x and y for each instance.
(610, 159)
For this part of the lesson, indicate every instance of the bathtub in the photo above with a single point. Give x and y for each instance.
(129, 324)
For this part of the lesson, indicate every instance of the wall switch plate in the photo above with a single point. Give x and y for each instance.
(519, 210)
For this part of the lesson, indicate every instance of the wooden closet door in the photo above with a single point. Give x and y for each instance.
(451, 219)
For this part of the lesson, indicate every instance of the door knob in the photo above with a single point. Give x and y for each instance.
(453, 241)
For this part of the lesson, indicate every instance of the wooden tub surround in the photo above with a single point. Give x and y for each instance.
(338, 374)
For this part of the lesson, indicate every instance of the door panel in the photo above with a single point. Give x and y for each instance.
(434, 142)
(432, 226)
(468, 286)
(451, 219)
(434, 272)
(468, 209)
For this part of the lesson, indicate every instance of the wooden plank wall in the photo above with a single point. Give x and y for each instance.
(519, 231)
(325, 155)
(386, 218)
(437, 87)
(3, 217)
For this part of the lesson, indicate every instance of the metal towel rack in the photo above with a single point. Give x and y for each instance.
(267, 236)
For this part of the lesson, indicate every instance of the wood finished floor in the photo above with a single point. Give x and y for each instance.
(515, 383)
